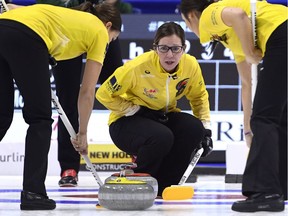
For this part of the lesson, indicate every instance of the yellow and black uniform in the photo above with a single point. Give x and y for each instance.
(211, 26)
(159, 134)
(142, 81)
(67, 79)
(269, 117)
(63, 30)
(29, 36)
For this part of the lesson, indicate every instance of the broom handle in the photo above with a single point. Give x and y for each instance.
(253, 80)
(253, 66)
(191, 166)
(4, 5)
(72, 133)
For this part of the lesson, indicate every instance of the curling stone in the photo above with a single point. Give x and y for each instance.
(137, 177)
(125, 194)
(127, 171)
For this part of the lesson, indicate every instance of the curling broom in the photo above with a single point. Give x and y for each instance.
(72, 133)
(3, 6)
(180, 192)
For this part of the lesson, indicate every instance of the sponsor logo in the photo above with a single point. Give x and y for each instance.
(106, 167)
(112, 85)
(106, 153)
(14, 157)
(181, 86)
(150, 93)
(147, 74)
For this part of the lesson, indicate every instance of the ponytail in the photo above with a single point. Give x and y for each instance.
(85, 7)
(105, 12)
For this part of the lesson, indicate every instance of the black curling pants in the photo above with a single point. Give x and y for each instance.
(67, 76)
(163, 150)
(266, 168)
(24, 58)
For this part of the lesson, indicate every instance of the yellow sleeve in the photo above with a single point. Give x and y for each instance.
(112, 92)
(198, 95)
(98, 46)
(211, 21)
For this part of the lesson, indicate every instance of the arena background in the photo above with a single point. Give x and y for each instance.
(138, 30)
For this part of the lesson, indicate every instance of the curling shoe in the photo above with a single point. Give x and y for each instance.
(69, 178)
(33, 201)
(260, 202)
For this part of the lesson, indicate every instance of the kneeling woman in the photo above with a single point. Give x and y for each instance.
(145, 121)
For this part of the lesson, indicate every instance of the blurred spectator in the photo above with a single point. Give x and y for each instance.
(123, 7)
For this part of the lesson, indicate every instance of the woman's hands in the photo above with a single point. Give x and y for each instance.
(80, 143)
(254, 57)
(248, 138)
(240, 22)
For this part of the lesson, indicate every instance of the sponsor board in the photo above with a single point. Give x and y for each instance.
(106, 153)
(12, 159)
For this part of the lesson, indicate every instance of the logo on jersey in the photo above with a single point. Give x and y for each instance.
(150, 93)
(181, 86)
(112, 85)
(216, 37)
(147, 74)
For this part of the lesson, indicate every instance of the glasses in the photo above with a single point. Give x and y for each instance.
(165, 49)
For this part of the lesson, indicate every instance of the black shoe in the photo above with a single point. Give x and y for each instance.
(69, 178)
(33, 201)
(260, 202)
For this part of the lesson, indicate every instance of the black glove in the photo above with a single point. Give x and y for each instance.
(207, 143)
(156, 115)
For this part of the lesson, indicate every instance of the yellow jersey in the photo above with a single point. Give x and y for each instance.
(268, 18)
(67, 33)
(144, 82)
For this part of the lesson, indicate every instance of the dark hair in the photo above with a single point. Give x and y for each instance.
(168, 29)
(105, 12)
(187, 6)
